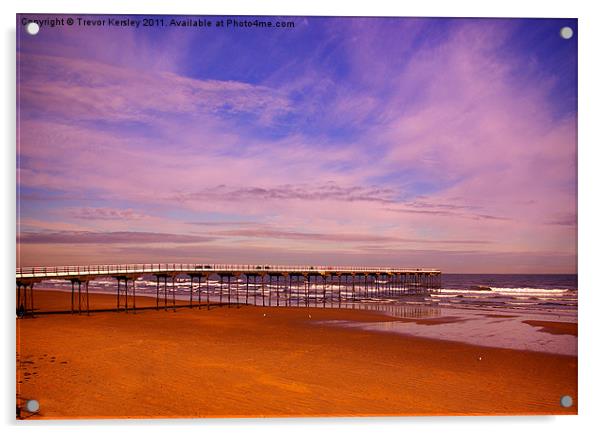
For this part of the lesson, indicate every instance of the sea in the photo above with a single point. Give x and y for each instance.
(533, 292)
(498, 310)
(538, 292)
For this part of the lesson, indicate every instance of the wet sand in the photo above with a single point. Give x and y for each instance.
(255, 361)
(554, 327)
(433, 321)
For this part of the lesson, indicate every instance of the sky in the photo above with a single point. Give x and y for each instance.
(446, 143)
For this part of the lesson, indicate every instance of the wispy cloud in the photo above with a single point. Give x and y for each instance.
(330, 191)
(445, 213)
(84, 90)
(82, 237)
(224, 223)
(337, 237)
(563, 220)
(106, 214)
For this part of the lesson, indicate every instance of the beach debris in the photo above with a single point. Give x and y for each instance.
(265, 315)
(309, 316)
(480, 358)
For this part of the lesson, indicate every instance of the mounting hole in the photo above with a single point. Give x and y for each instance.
(566, 33)
(32, 406)
(32, 28)
(566, 401)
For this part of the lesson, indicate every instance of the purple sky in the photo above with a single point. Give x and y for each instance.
(446, 143)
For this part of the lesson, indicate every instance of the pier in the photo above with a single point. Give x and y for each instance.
(228, 284)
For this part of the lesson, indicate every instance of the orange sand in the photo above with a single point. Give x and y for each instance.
(254, 361)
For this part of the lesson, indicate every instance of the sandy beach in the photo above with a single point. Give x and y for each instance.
(268, 362)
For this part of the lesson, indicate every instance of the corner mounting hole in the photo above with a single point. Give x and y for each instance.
(32, 406)
(566, 33)
(566, 401)
(32, 28)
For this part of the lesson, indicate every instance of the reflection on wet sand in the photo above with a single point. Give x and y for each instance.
(534, 331)
(400, 310)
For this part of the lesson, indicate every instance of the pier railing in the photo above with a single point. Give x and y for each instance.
(115, 269)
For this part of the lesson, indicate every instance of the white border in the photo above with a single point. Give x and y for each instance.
(590, 301)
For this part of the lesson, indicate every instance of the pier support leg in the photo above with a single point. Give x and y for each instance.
(164, 293)
(24, 300)
(191, 283)
(208, 304)
(31, 296)
(377, 287)
(87, 297)
(317, 288)
(305, 290)
(237, 290)
(173, 292)
(307, 281)
(221, 288)
(19, 307)
(73, 297)
(157, 292)
(365, 286)
(126, 295)
(229, 290)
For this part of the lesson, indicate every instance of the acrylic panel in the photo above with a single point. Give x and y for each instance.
(295, 216)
